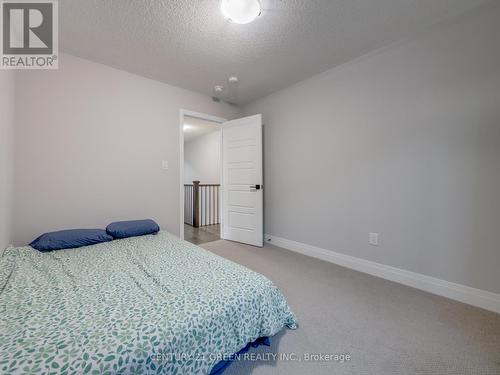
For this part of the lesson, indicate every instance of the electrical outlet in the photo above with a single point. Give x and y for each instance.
(373, 239)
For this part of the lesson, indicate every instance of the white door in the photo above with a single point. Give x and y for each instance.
(242, 180)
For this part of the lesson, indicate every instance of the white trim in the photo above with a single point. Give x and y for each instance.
(472, 296)
(221, 182)
(221, 176)
(203, 116)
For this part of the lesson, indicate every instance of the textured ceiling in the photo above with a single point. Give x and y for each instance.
(189, 44)
(195, 128)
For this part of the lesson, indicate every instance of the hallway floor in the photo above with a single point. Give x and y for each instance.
(201, 235)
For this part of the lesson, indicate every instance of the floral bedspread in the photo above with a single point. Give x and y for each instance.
(144, 305)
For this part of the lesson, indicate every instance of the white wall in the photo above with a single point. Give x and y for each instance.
(202, 159)
(7, 107)
(406, 143)
(89, 149)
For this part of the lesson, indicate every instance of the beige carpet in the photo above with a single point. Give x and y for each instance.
(387, 328)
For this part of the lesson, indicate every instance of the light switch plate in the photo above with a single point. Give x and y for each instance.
(164, 165)
(373, 239)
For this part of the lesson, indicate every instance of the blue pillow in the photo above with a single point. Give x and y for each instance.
(132, 228)
(69, 239)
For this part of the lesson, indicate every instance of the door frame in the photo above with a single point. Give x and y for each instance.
(202, 116)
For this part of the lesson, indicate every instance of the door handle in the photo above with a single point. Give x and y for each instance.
(255, 187)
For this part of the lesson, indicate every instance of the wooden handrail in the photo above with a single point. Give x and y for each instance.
(202, 184)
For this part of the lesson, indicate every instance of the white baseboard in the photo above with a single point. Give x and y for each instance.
(472, 296)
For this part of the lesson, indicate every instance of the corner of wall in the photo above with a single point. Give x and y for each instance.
(7, 139)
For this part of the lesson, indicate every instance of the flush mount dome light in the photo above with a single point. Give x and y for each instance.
(241, 11)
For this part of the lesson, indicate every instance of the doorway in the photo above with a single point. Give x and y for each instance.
(232, 207)
(201, 174)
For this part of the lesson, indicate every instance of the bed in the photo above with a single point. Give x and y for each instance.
(144, 305)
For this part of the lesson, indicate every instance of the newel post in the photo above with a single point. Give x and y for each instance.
(196, 205)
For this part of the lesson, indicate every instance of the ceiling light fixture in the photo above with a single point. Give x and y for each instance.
(241, 11)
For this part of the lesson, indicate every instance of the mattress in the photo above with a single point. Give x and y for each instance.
(145, 305)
